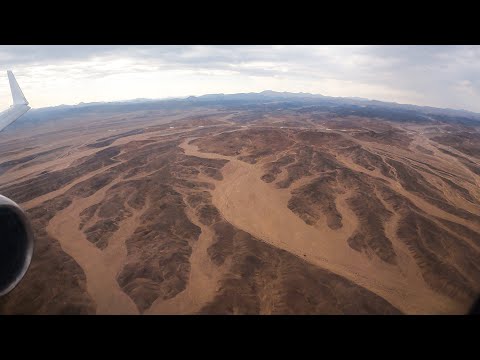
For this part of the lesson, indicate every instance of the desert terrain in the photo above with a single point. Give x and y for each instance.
(232, 210)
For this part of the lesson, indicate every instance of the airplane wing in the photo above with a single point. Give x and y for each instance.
(19, 107)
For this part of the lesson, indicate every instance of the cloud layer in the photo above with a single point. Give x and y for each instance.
(443, 76)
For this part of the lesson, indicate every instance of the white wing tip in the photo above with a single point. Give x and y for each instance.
(17, 94)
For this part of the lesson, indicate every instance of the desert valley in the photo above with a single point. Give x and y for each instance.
(271, 205)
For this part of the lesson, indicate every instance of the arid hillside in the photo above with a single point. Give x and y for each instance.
(232, 211)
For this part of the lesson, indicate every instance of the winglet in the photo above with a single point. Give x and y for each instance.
(17, 94)
(19, 107)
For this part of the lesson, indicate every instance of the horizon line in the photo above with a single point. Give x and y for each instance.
(260, 92)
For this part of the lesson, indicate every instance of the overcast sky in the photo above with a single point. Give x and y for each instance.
(442, 76)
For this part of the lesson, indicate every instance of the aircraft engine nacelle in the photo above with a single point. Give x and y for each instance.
(16, 244)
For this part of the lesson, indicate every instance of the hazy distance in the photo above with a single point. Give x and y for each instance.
(441, 76)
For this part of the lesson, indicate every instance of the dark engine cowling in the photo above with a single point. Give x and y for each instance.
(16, 244)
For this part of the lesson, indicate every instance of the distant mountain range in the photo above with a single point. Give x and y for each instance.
(321, 99)
(265, 101)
